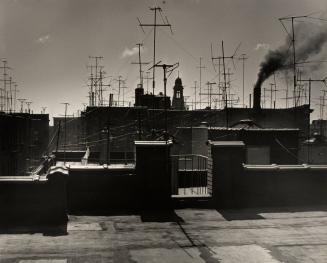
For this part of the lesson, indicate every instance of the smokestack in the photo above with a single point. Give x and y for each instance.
(257, 97)
(274, 60)
(309, 42)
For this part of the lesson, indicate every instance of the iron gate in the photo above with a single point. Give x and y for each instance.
(190, 175)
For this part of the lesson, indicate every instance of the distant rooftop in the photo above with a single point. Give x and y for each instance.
(263, 129)
(316, 139)
(246, 124)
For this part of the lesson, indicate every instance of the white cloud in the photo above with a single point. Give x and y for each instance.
(263, 46)
(43, 39)
(130, 52)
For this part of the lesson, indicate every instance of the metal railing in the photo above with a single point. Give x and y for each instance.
(44, 166)
(189, 172)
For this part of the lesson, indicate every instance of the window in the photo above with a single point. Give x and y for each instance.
(178, 94)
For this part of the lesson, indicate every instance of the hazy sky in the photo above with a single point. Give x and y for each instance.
(47, 42)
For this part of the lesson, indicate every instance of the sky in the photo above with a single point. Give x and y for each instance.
(47, 43)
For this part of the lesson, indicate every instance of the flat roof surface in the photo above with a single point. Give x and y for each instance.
(273, 235)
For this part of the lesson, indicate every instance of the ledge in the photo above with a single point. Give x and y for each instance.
(276, 167)
(111, 167)
(227, 143)
(23, 179)
(153, 143)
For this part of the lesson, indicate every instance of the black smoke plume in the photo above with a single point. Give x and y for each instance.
(310, 40)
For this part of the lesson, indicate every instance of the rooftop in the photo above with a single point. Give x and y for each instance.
(189, 235)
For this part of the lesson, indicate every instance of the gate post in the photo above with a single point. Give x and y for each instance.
(226, 159)
(153, 171)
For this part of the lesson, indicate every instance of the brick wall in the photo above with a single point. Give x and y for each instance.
(34, 202)
(264, 185)
(101, 190)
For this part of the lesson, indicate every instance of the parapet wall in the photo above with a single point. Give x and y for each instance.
(238, 185)
(283, 185)
(98, 190)
(29, 200)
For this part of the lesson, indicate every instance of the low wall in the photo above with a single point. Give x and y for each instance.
(34, 200)
(101, 189)
(235, 184)
(282, 186)
(75, 156)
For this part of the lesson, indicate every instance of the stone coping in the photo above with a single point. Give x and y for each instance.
(276, 167)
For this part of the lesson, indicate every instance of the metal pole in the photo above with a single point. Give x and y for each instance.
(165, 106)
(139, 124)
(200, 82)
(154, 52)
(108, 140)
(195, 95)
(65, 134)
(225, 87)
(294, 63)
(58, 135)
(308, 160)
(141, 79)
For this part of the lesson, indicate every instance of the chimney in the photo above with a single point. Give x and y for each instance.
(257, 97)
(139, 92)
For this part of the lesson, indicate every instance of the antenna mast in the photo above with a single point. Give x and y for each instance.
(292, 18)
(22, 104)
(170, 68)
(200, 83)
(243, 58)
(223, 57)
(195, 87)
(28, 103)
(140, 63)
(95, 81)
(65, 133)
(43, 110)
(4, 93)
(166, 23)
(120, 82)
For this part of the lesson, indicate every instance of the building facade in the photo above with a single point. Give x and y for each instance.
(23, 141)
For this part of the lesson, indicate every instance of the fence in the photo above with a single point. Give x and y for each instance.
(189, 174)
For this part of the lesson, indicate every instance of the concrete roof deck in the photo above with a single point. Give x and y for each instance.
(272, 235)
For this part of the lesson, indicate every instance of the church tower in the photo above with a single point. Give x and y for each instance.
(178, 98)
